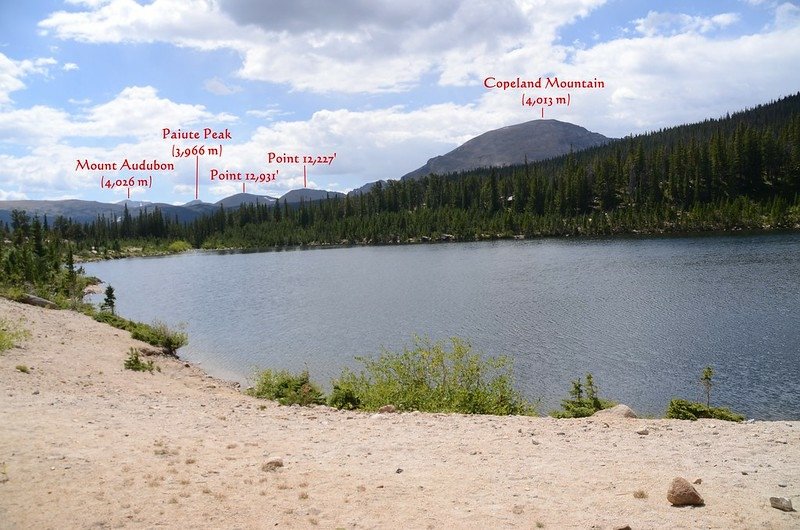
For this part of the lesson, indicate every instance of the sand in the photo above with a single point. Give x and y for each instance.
(85, 443)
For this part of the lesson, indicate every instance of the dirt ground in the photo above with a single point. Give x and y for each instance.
(85, 443)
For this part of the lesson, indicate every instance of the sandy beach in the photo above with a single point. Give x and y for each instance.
(85, 443)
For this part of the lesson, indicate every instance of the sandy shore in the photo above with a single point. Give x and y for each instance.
(87, 444)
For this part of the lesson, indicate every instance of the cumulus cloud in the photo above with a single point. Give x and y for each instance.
(135, 112)
(69, 67)
(787, 15)
(353, 46)
(656, 23)
(12, 72)
(217, 86)
(12, 196)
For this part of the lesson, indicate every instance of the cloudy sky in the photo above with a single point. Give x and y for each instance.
(383, 84)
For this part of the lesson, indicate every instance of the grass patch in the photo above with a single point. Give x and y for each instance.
(11, 334)
(432, 378)
(681, 409)
(134, 362)
(178, 246)
(584, 400)
(22, 368)
(156, 334)
(286, 388)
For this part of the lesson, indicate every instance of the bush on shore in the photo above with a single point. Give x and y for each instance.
(681, 409)
(584, 401)
(157, 334)
(432, 378)
(286, 388)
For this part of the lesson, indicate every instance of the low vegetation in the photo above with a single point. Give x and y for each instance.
(156, 334)
(286, 388)
(681, 409)
(11, 334)
(583, 401)
(23, 368)
(432, 378)
(134, 362)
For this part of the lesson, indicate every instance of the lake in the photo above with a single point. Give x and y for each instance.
(644, 316)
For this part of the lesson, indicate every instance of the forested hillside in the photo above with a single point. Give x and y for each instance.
(738, 172)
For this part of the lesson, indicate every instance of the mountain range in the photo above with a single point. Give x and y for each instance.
(84, 211)
(533, 140)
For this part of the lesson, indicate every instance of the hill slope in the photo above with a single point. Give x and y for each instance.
(534, 140)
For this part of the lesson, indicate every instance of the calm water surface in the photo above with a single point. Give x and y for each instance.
(643, 316)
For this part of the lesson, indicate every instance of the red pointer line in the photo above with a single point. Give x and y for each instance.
(243, 184)
(305, 182)
(129, 193)
(542, 112)
(196, 177)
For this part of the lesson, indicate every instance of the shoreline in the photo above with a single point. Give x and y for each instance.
(88, 443)
(635, 236)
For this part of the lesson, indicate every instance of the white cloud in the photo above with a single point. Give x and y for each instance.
(349, 46)
(268, 114)
(69, 67)
(217, 86)
(656, 23)
(12, 196)
(787, 15)
(134, 112)
(12, 72)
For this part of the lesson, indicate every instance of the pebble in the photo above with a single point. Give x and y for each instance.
(643, 432)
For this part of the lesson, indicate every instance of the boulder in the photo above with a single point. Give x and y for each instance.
(39, 302)
(618, 411)
(681, 493)
(781, 503)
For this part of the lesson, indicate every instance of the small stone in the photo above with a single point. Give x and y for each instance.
(623, 527)
(35, 392)
(399, 470)
(698, 481)
(781, 485)
(272, 464)
(620, 411)
(781, 503)
(744, 473)
(681, 493)
(643, 432)
(387, 409)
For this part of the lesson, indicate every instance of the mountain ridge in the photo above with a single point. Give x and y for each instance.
(510, 145)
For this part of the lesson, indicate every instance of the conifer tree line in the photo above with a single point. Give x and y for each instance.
(737, 172)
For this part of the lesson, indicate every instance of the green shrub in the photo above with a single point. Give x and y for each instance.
(157, 334)
(11, 334)
(681, 409)
(23, 368)
(286, 388)
(135, 363)
(432, 378)
(178, 246)
(584, 402)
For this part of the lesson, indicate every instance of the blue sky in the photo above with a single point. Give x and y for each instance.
(384, 85)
